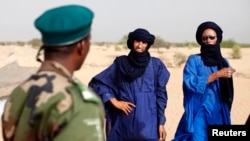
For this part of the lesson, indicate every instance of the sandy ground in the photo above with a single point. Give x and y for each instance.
(17, 63)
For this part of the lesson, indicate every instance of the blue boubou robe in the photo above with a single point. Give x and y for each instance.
(203, 104)
(147, 92)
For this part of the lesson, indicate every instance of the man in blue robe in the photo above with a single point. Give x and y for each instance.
(207, 87)
(133, 90)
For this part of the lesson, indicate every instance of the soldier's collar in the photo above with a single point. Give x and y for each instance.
(55, 67)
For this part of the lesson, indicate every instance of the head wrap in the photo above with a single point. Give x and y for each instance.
(134, 65)
(211, 54)
(207, 25)
(140, 34)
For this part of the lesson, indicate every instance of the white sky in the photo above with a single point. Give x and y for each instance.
(172, 20)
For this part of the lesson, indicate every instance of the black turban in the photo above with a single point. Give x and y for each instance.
(140, 35)
(205, 26)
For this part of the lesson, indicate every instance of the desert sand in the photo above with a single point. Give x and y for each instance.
(17, 63)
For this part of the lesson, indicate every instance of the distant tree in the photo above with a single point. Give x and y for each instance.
(35, 43)
(2, 43)
(100, 43)
(159, 42)
(228, 43)
(19, 43)
(123, 40)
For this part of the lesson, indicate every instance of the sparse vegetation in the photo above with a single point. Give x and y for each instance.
(117, 48)
(228, 43)
(179, 59)
(35, 43)
(236, 54)
(159, 42)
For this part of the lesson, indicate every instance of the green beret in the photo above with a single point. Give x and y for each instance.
(64, 25)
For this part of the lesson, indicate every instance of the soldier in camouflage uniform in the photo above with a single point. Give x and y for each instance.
(52, 104)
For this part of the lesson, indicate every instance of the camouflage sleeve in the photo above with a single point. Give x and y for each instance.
(86, 123)
(13, 112)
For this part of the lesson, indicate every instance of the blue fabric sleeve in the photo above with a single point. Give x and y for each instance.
(103, 83)
(107, 96)
(162, 77)
(193, 82)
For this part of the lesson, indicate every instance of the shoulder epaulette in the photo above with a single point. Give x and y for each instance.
(87, 94)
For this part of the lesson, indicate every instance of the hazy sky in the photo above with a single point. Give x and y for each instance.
(172, 20)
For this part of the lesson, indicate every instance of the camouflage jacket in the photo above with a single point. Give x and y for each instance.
(50, 106)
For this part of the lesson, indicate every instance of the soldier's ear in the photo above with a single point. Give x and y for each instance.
(80, 47)
(83, 44)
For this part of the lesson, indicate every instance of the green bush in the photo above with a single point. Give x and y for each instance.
(159, 42)
(236, 54)
(35, 43)
(228, 43)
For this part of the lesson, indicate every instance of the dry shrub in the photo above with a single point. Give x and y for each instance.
(236, 54)
(179, 58)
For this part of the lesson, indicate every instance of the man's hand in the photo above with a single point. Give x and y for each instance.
(226, 72)
(126, 107)
(162, 133)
